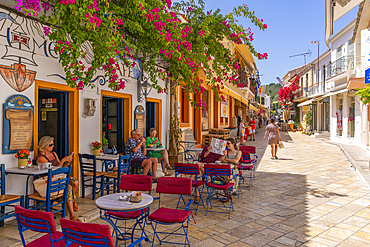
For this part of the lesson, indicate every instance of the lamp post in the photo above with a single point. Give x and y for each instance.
(317, 42)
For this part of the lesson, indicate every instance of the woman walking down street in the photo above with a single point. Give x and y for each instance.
(274, 136)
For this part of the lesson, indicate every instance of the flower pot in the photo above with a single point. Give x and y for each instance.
(22, 163)
(175, 159)
(291, 126)
(96, 152)
(105, 147)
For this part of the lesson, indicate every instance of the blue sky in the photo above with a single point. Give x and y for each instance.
(291, 26)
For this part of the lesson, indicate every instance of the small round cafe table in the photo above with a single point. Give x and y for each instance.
(152, 149)
(112, 203)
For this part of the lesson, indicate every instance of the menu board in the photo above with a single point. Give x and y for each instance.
(21, 128)
(18, 126)
(140, 119)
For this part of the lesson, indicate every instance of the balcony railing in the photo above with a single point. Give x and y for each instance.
(317, 88)
(338, 66)
(356, 67)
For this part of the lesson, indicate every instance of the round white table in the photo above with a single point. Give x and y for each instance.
(152, 149)
(112, 203)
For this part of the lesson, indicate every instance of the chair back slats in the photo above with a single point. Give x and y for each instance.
(86, 234)
(58, 185)
(37, 221)
(174, 185)
(217, 170)
(136, 182)
(246, 157)
(124, 164)
(186, 169)
(2, 179)
(87, 163)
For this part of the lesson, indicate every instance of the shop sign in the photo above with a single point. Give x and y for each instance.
(18, 113)
(367, 76)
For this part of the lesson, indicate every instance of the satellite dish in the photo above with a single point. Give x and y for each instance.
(309, 52)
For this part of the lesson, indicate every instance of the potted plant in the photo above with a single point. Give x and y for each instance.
(308, 119)
(105, 143)
(23, 158)
(96, 148)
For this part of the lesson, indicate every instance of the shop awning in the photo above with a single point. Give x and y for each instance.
(355, 83)
(308, 102)
(246, 54)
(253, 108)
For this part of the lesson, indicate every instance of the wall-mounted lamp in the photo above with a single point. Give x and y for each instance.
(143, 89)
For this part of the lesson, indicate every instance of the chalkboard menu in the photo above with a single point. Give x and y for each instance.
(17, 124)
(140, 119)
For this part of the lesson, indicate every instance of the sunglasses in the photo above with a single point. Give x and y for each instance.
(52, 144)
(228, 143)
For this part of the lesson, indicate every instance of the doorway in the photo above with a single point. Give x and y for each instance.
(150, 117)
(53, 118)
(153, 116)
(113, 122)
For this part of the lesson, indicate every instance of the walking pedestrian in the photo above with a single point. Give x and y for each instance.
(274, 136)
(242, 131)
(252, 123)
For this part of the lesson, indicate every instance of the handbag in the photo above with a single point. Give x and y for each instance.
(220, 180)
(281, 145)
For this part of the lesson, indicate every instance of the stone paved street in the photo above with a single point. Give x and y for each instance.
(309, 197)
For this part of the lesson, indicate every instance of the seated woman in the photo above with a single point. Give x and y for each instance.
(160, 155)
(232, 156)
(206, 157)
(46, 155)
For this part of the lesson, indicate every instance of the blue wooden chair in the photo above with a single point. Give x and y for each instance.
(193, 170)
(124, 164)
(168, 216)
(215, 190)
(88, 234)
(94, 177)
(7, 200)
(60, 187)
(37, 221)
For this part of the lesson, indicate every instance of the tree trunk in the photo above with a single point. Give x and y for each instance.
(173, 118)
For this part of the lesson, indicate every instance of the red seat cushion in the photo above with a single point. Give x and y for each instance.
(169, 215)
(194, 183)
(245, 167)
(45, 241)
(126, 215)
(220, 187)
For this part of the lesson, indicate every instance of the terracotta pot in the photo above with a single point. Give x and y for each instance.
(291, 126)
(22, 163)
(175, 159)
(96, 152)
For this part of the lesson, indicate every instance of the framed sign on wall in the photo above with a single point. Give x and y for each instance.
(224, 109)
(140, 119)
(17, 124)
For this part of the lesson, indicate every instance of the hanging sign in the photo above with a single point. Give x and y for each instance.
(18, 124)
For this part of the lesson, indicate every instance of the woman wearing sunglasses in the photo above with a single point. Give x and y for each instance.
(232, 156)
(47, 155)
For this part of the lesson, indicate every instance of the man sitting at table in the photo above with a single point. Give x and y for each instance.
(136, 145)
